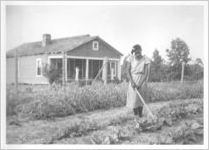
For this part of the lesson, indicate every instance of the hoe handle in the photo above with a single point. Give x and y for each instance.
(145, 104)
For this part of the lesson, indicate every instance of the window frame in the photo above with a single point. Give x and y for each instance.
(93, 45)
(37, 60)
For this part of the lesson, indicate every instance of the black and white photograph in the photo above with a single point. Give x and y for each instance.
(104, 74)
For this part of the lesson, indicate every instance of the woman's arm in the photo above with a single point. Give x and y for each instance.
(129, 75)
(144, 77)
(148, 72)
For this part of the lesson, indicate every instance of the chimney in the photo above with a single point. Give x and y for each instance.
(46, 39)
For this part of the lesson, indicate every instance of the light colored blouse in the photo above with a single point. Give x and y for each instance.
(137, 66)
(137, 72)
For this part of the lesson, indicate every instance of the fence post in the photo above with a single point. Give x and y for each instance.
(16, 72)
(182, 72)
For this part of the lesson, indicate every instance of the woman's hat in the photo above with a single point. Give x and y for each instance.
(136, 47)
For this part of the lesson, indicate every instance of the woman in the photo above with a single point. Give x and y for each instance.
(138, 69)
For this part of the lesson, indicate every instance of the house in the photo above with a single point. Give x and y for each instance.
(86, 53)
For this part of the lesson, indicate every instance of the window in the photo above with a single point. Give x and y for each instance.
(38, 67)
(95, 45)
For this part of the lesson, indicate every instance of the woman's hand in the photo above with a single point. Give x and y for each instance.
(139, 86)
(133, 84)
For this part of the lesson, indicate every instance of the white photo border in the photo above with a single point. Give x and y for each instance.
(54, 146)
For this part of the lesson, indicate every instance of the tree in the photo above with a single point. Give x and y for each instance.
(157, 59)
(178, 54)
(199, 61)
(199, 72)
(196, 70)
(156, 67)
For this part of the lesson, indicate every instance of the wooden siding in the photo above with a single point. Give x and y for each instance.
(27, 70)
(87, 51)
(10, 70)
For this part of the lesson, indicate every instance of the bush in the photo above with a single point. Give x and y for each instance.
(52, 73)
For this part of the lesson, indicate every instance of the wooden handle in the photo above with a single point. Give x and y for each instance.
(145, 104)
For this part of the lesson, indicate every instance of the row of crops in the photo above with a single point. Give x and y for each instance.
(172, 115)
(44, 102)
(124, 129)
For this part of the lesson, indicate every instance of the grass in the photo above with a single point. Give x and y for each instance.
(174, 90)
(44, 102)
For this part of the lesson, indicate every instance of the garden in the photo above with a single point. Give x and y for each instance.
(96, 114)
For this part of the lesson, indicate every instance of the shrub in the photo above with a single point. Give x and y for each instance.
(52, 73)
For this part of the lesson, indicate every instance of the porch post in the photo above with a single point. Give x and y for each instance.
(64, 69)
(119, 70)
(87, 69)
(112, 75)
(104, 71)
(76, 74)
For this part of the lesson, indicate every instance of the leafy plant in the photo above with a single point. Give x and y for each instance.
(168, 114)
(52, 73)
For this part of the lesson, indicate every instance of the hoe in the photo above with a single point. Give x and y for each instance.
(142, 99)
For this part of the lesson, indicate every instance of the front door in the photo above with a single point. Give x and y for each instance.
(94, 68)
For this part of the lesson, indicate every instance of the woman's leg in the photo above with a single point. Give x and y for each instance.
(136, 111)
(140, 110)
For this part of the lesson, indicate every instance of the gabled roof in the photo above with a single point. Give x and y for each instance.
(55, 46)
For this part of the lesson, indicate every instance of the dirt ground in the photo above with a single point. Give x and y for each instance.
(115, 126)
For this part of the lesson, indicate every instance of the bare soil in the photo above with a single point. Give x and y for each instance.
(114, 126)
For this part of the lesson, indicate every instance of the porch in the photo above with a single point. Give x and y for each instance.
(86, 68)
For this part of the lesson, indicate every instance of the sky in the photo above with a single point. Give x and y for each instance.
(122, 26)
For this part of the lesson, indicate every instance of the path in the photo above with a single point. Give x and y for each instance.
(82, 125)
